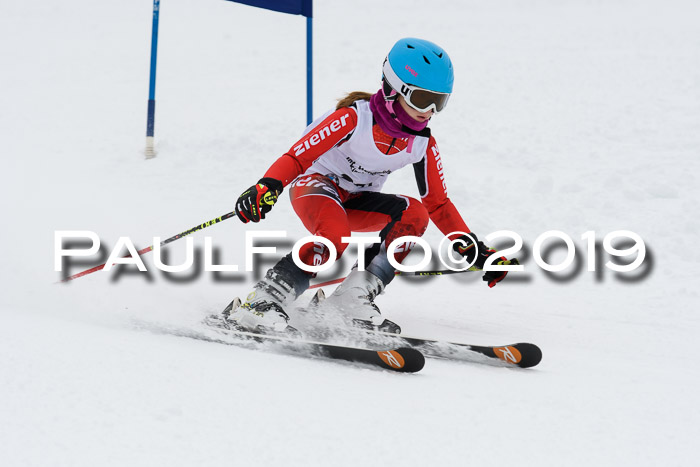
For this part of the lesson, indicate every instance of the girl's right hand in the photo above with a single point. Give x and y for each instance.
(258, 200)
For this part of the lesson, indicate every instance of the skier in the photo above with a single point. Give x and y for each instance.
(336, 172)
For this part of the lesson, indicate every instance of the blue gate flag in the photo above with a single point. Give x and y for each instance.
(293, 7)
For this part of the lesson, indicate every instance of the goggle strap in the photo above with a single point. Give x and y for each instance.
(390, 93)
(390, 108)
(391, 77)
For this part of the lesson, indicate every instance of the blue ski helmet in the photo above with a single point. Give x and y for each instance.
(413, 65)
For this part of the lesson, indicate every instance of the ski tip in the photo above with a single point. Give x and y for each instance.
(522, 355)
(415, 359)
(404, 359)
(531, 355)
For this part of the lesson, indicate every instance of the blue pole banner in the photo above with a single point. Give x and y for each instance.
(294, 7)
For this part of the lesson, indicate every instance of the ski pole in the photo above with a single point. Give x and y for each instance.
(164, 242)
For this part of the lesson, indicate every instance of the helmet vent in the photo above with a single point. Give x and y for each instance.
(438, 54)
(426, 59)
(410, 46)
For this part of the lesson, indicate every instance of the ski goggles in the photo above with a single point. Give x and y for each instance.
(417, 98)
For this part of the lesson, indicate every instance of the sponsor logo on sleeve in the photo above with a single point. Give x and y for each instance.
(319, 134)
(438, 163)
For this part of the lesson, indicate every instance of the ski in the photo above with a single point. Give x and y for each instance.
(522, 355)
(400, 359)
(356, 344)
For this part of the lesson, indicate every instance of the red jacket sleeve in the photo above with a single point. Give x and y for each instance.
(430, 177)
(332, 130)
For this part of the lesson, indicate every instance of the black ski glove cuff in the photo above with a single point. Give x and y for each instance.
(470, 247)
(258, 200)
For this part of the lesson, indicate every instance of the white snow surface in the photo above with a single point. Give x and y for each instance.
(566, 115)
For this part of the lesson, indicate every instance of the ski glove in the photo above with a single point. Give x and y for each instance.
(470, 247)
(494, 277)
(257, 200)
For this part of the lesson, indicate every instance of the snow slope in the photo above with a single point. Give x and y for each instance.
(572, 116)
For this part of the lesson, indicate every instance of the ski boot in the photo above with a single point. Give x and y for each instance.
(354, 298)
(264, 308)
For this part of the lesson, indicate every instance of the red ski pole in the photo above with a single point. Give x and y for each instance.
(164, 242)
